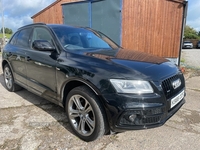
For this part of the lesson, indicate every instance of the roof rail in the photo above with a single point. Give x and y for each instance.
(40, 23)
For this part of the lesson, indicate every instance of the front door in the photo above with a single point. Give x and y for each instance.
(41, 68)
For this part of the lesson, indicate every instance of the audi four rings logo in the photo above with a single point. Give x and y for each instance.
(176, 83)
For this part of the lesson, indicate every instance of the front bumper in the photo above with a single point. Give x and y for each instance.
(149, 118)
(137, 113)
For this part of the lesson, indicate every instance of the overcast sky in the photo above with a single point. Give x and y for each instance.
(18, 12)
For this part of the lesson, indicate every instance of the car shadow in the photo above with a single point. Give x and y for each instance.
(41, 103)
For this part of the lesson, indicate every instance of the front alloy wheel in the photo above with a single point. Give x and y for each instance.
(85, 114)
(81, 114)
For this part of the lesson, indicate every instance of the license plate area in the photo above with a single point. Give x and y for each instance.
(177, 99)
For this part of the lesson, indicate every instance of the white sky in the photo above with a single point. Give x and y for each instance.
(18, 12)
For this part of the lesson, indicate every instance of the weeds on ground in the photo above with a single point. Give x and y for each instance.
(190, 72)
(182, 60)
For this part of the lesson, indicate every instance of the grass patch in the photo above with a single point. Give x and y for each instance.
(182, 60)
(7, 35)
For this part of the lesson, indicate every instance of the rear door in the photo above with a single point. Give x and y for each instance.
(16, 51)
(41, 68)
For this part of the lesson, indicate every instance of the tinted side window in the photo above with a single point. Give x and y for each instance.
(23, 37)
(41, 34)
(13, 41)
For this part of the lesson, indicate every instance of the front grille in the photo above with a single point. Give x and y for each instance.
(168, 89)
(150, 120)
(153, 111)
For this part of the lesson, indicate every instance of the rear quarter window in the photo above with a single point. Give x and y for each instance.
(13, 40)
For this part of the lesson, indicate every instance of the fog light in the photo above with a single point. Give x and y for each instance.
(132, 117)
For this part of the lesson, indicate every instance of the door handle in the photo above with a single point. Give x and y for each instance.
(28, 58)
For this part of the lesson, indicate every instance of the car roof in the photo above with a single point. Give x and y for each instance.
(29, 25)
(51, 25)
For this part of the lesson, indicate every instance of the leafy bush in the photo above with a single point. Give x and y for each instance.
(191, 33)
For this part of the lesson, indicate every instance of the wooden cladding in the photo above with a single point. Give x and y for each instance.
(52, 14)
(152, 26)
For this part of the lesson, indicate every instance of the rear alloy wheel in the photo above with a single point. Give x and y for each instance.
(9, 80)
(85, 114)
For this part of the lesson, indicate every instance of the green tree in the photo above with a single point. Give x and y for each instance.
(7, 30)
(190, 33)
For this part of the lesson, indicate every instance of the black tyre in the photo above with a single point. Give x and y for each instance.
(85, 114)
(9, 80)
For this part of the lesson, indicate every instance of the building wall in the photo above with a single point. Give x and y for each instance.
(152, 26)
(52, 14)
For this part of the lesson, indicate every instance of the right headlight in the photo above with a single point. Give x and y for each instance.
(131, 86)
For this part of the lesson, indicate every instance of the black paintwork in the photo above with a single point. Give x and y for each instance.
(52, 73)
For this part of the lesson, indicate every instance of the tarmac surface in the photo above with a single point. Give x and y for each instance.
(28, 122)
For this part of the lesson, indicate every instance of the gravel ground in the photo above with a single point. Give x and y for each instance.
(28, 122)
(190, 58)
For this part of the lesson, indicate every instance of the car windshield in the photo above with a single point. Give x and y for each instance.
(72, 38)
(187, 42)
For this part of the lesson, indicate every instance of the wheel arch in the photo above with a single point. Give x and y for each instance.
(68, 86)
(4, 62)
(78, 82)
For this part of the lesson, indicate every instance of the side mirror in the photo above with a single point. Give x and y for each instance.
(43, 45)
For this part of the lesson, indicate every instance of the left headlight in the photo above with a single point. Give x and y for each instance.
(131, 86)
